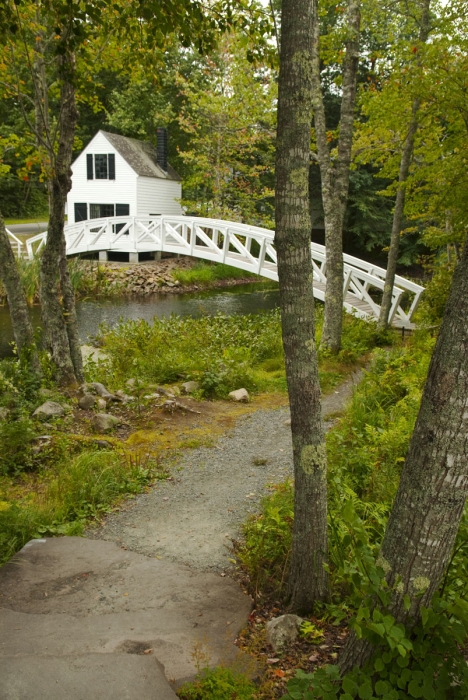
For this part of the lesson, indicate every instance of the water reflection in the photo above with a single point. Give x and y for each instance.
(244, 299)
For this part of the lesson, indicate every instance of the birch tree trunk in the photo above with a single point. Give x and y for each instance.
(406, 158)
(433, 488)
(308, 581)
(335, 174)
(50, 277)
(17, 303)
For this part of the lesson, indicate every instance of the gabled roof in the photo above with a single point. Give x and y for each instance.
(141, 156)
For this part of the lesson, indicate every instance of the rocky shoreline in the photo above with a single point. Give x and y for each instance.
(157, 276)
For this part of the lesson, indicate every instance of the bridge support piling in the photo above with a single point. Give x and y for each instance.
(103, 257)
(133, 257)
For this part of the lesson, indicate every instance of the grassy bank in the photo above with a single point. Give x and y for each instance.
(222, 353)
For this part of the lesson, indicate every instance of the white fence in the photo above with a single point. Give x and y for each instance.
(246, 247)
(16, 244)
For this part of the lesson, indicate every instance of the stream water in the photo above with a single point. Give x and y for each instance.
(244, 299)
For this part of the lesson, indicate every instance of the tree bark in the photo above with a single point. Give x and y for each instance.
(50, 278)
(308, 581)
(335, 175)
(71, 323)
(406, 158)
(433, 488)
(17, 303)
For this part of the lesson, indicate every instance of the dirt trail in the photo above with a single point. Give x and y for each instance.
(192, 519)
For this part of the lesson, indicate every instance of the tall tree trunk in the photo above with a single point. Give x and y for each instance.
(17, 303)
(68, 293)
(335, 175)
(406, 158)
(433, 488)
(60, 184)
(308, 581)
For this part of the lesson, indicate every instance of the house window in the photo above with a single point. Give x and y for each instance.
(100, 211)
(122, 209)
(104, 166)
(81, 211)
(100, 166)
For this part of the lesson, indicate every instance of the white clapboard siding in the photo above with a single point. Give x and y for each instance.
(122, 190)
(158, 196)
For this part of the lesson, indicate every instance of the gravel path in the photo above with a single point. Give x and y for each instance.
(193, 518)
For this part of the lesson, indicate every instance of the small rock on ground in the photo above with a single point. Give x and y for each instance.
(283, 630)
(104, 422)
(49, 409)
(239, 395)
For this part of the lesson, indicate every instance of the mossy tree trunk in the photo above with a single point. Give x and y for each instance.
(433, 487)
(335, 172)
(405, 163)
(308, 580)
(58, 314)
(17, 303)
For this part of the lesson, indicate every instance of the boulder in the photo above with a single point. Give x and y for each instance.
(101, 404)
(240, 395)
(104, 422)
(49, 409)
(282, 631)
(86, 402)
(190, 387)
(4, 413)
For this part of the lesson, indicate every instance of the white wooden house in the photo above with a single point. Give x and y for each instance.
(120, 176)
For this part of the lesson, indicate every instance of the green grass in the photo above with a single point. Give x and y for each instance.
(221, 352)
(70, 492)
(204, 274)
(34, 220)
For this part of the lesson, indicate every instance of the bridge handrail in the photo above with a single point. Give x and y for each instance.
(16, 241)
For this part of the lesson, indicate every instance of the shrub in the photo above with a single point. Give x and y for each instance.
(218, 684)
(16, 453)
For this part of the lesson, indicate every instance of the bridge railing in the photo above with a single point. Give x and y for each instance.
(249, 248)
(15, 242)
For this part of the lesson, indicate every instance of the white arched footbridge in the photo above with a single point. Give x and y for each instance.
(249, 248)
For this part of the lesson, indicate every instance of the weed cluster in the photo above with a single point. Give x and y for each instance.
(220, 683)
(221, 352)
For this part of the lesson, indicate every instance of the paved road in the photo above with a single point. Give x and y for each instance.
(25, 229)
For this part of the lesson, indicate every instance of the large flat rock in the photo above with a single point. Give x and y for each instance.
(85, 677)
(72, 602)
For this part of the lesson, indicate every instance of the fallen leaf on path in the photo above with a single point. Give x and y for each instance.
(147, 651)
(272, 661)
(278, 672)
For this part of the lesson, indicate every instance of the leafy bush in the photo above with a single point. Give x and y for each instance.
(16, 453)
(218, 684)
